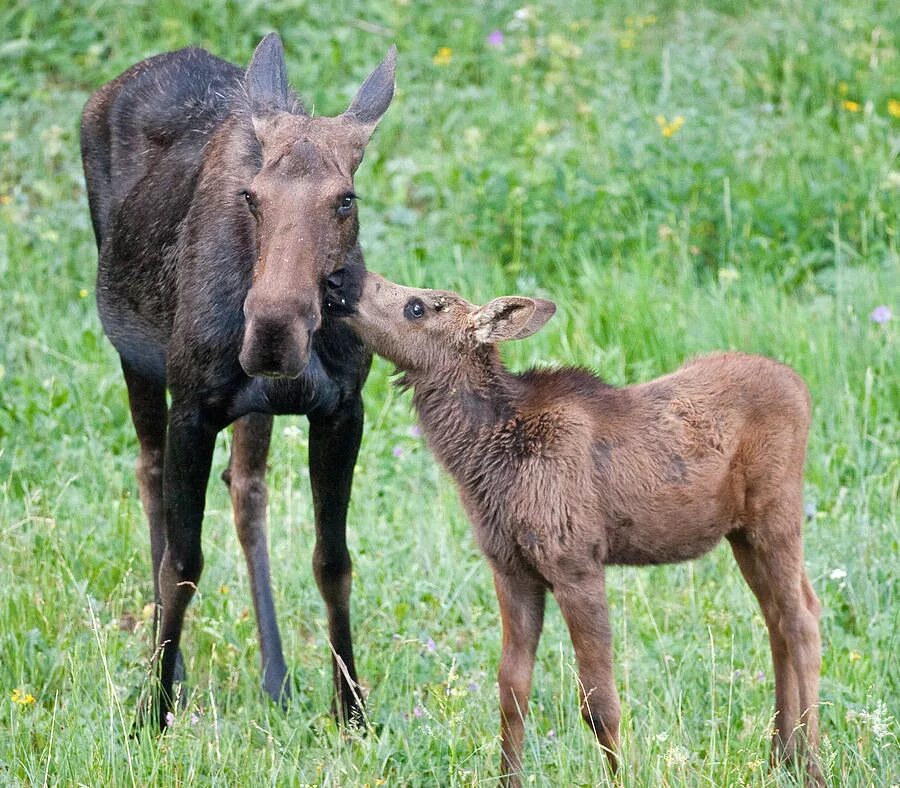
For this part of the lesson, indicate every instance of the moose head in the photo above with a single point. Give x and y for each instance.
(305, 208)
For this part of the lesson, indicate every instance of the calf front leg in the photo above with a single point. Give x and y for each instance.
(583, 606)
(333, 445)
(246, 480)
(189, 450)
(521, 599)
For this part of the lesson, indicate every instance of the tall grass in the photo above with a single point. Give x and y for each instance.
(766, 221)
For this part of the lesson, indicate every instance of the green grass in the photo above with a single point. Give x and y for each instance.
(767, 222)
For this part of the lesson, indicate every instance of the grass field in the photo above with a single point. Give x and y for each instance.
(678, 178)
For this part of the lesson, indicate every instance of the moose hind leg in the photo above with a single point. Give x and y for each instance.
(333, 445)
(246, 480)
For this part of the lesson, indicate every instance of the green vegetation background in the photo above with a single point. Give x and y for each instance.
(678, 178)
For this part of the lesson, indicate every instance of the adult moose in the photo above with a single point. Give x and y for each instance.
(220, 207)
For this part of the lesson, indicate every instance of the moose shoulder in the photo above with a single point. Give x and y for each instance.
(220, 207)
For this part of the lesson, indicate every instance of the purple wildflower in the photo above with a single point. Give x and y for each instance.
(760, 676)
(430, 646)
(398, 451)
(170, 719)
(473, 686)
(495, 39)
(194, 719)
(415, 431)
(417, 711)
(880, 314)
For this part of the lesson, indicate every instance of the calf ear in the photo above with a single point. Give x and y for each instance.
(511, 317)
(374, 97)
(266, 79)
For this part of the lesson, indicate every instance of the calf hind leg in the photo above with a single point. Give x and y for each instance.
(246, 480)
(791, 610)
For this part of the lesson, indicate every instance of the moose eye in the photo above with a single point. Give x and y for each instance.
(250, 200)
(414, 309)
(346, 204)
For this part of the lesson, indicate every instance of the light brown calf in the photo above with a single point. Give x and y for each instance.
(562, 474)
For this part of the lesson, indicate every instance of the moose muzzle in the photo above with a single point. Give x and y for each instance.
(277, 337)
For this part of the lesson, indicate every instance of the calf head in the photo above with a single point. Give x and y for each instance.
(432, 330)
(305, 208)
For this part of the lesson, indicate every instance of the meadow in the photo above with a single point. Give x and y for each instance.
(678, 177)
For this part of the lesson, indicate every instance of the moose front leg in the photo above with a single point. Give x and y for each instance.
(333, 445)
(246, 480)
(189, 449)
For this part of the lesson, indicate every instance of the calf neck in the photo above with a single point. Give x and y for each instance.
(562, 474)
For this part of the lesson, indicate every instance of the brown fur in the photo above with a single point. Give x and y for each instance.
(562, 474)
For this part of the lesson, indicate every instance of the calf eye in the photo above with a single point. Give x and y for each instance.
(414, 309)
(346, 204)
(250, 200)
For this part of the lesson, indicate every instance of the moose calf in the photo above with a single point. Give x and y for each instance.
(562, 474)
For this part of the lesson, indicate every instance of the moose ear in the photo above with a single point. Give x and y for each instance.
(511, 317)
(374, 97)
(266, 79)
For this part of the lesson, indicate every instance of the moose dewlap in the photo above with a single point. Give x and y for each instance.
(562, 474)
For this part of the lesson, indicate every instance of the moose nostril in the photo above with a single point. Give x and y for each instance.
(335, 279)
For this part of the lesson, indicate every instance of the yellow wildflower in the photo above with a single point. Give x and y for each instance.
(5, 199)
(894, 108)
(21, 698)
(223, 589)
(83, 293)
(727, 275)
(851, 106)
(669, 127)
(855, 655)
(443, 56)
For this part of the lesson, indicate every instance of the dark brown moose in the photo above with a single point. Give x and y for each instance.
(220, 207)
(562, 474)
